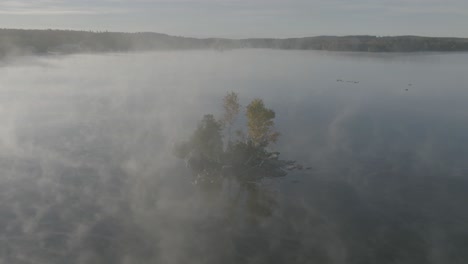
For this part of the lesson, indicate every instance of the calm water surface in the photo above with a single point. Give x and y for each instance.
(88, 175)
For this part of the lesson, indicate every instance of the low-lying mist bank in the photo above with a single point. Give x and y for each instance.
(18, 42)
(88, 173)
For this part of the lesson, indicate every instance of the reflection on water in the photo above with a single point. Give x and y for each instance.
(88, 175)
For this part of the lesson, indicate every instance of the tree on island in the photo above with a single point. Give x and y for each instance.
(247, 158)
(260, 124)
(239, 164)
(231, 112)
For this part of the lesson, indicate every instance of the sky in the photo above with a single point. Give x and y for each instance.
(243, 18)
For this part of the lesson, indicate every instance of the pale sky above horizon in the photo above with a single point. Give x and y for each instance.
(243, 18)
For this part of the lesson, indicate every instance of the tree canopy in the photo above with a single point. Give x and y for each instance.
(231, 111)
(260, 123)
(246, 158)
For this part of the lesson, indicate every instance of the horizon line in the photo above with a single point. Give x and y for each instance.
(228, 38)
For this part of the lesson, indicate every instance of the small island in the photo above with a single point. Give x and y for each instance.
(213, 153)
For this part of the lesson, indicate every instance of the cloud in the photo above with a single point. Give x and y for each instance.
(57, 7)
(274, 7)
(406, 6)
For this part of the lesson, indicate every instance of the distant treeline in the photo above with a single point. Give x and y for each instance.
(18, 41)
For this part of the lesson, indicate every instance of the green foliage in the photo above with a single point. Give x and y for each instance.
(245, 159)
(207, 139)
(231, 111)
(236, 172)
(254, 162)
(260, 123)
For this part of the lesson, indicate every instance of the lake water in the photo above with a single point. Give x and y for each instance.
(88, 175)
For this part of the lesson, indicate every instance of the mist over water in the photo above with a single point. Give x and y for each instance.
(88, 173)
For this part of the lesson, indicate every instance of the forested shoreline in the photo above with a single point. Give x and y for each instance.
(20, 41)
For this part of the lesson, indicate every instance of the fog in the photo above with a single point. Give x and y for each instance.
(88, 173)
